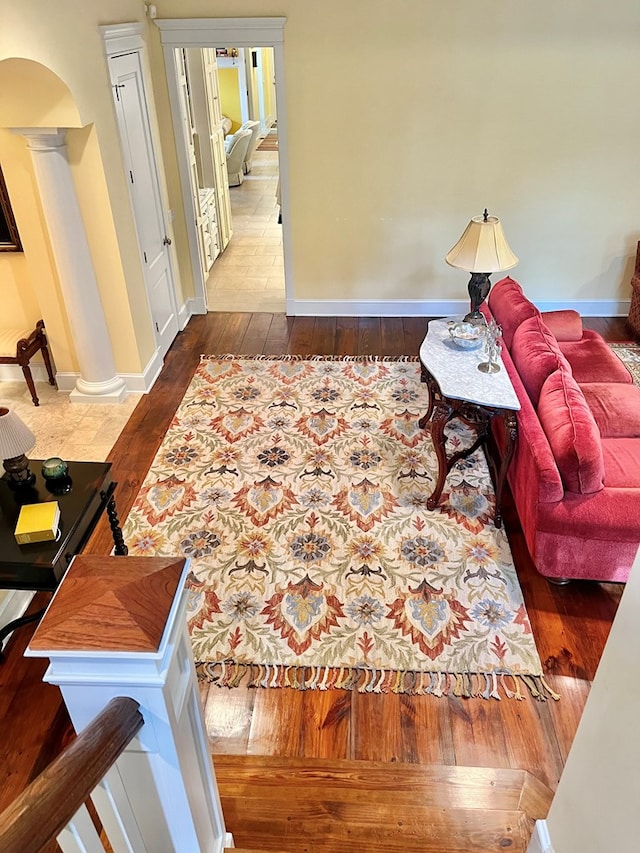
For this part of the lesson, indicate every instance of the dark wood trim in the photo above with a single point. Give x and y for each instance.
(48, 804)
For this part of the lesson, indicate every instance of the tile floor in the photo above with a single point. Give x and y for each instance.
(249, 275)
(84, 432)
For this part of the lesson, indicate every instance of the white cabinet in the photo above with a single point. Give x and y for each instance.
(208, 226)
(223, 201)
(202, 121)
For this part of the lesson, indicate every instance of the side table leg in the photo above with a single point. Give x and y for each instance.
(120, 549)
(439, 420)
(510, 438)
(432, 390)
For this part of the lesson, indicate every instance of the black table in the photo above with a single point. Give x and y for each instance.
(40, 566)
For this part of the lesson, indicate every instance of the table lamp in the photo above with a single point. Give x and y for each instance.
(481, 250)
(15, 440)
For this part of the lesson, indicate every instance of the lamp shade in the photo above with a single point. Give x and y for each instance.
(16, 438)
(482, 248)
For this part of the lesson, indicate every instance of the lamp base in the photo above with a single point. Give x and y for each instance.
(19, 475)
(478, 287)
(476, 318)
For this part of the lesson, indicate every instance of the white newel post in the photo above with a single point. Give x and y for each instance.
(117, 627)
(98, 381)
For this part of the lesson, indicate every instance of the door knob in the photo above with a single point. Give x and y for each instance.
(167, 241)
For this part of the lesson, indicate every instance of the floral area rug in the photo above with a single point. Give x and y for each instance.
(298, 489)
(629, 354)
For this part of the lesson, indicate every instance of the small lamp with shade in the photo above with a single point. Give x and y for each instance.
(16, 439)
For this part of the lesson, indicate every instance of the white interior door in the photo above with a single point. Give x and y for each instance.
(144, 188)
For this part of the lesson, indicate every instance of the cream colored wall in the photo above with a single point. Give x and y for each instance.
(64, 37)
(406, 119)
(29, 280)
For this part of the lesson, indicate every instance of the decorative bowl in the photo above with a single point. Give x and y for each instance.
(54, 468)
(466, 335)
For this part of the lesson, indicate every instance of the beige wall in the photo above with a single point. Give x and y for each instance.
(64, 38)
(407, 118)
(404, 120)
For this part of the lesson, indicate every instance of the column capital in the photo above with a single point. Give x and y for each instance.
(43, 138)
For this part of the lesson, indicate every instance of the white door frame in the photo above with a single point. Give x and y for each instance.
(216, 32)
(260, 83)
(127, 38)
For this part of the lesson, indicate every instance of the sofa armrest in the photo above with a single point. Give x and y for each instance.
(566, 325)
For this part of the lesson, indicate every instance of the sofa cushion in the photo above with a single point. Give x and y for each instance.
(621, 463)
(565, 325)
(615, 407)
(593, 360)
(572, 433)
(510, 307)
(536, 355)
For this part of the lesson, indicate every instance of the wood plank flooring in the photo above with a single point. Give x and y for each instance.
(308, 805)
(570, 624)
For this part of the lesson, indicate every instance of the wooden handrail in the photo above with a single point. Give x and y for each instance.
(51, 800)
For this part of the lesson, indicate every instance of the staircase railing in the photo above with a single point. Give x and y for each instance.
(52, 800)
(117, 627)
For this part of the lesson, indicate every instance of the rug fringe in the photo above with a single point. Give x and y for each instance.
(360, 358)
(464, 685)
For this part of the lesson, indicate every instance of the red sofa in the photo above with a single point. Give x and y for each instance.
(575, 474)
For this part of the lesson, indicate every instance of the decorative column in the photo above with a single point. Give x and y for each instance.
(98, 381)
(117, 626)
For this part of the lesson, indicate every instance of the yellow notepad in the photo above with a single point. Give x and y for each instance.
(37, 522)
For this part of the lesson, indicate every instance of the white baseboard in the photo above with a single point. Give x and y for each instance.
(140, 383)
(194, 305)
(143, 382)
(13, 605)
(591, 307)
(436, 307)
(540, 840)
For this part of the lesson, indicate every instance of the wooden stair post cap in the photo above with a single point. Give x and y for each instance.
(110, 604)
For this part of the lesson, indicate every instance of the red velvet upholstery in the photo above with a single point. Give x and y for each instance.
(592, 360)
(616, 408)
(570, 534)
(621, 463)
(536, 355)
(564, 325)
(510, 307)
(572, 432)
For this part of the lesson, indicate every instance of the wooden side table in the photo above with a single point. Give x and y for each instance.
(40, 566)
(457, 389)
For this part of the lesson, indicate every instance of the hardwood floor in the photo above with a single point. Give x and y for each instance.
(570, 624)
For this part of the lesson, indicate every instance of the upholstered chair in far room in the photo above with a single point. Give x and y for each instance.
(236, 153)
(254, 127)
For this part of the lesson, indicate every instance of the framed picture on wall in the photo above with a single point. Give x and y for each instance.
(9, 237)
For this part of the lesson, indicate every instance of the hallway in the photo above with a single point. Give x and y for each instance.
(249, 275)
